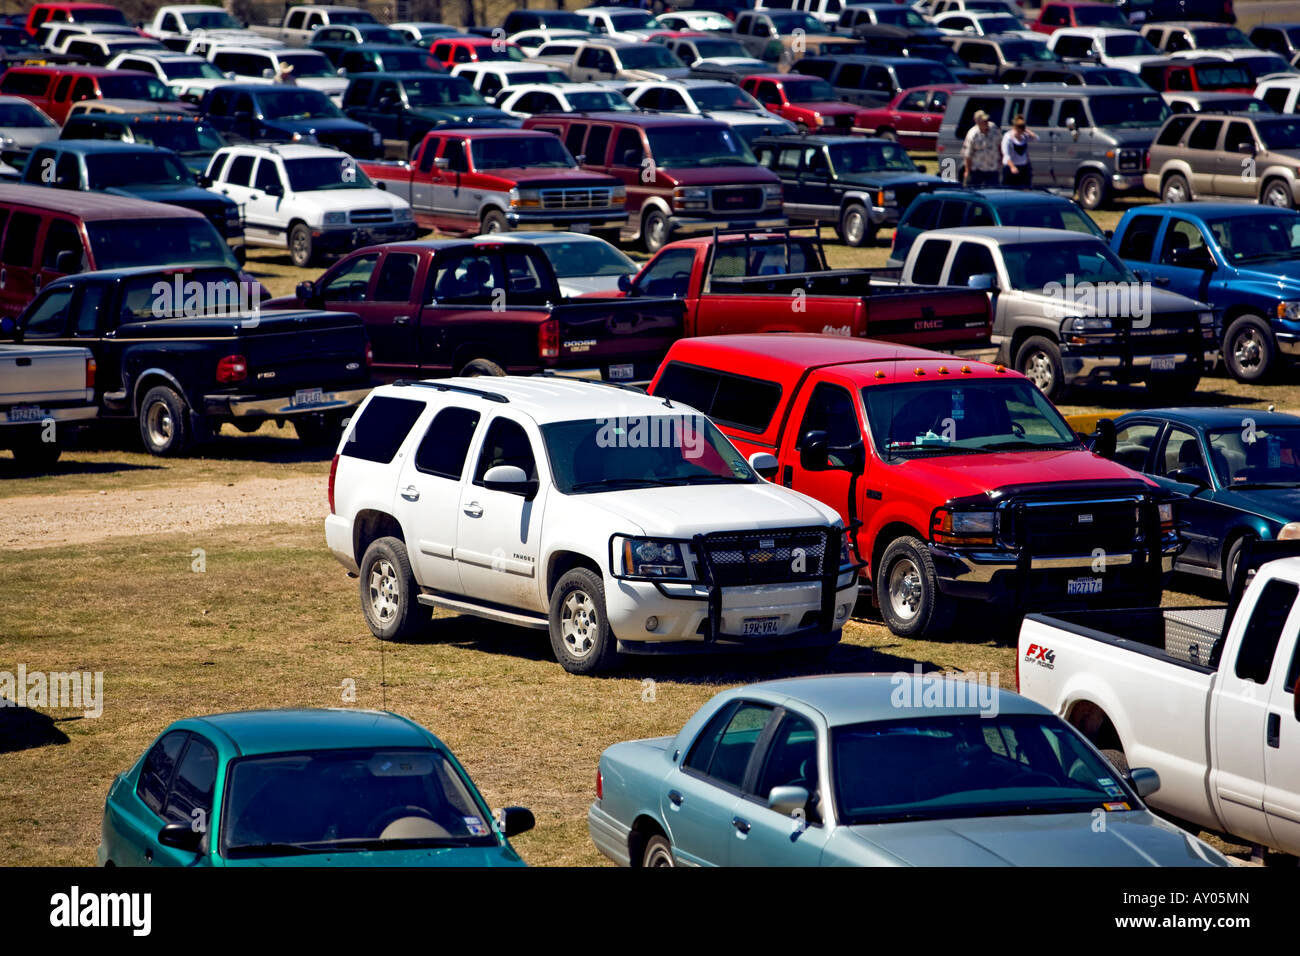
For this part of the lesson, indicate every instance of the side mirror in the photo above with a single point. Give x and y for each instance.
(513, 821)
(1194, 475)
(442, 162)
(1103, 438)
(68, 262)
(341, 72)
(631, 157)
(624, 283)
(1070, 124)
(787, 800)
(1246, 149)
(1109, 234)
(275, 190)
(1145, 781)
(203, 179)
(510, 479)
(305, 291)
(814, 452)
(182, 836)
(1198, 258)
(268, 74)
(983, 280)
(765, 463)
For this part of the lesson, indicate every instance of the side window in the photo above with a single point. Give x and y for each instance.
(61, 91)
(378, 432)
(787, 161)
(1238, 134)
(979, 214)
(454, 153)
(830, 409)
(951, 215)
(1276, 98)
(1133, 444)
(672, 102)
(1181, 234)
(1173, 131)
(914, 102)
(930, 259)
(67, 172)
(506, 443)
(60, 237)
(923, 215)
(791, 760)
(1139, 240)
(48, 318)
(1205, 135)
(971, 260)
(1072, 110)
(428, 153)
(20, 239)
(767, 92)
(267, 175)
(467, 278)
(1182, 453)
(352, 282)
(1259, 643)
(191, 788)
(240, 171)
(445, 446)
(668, 275)
(397, 277)
(628, 150)
(728, 399)
(84, 89)
(1039, 113)
(597, 145)
(722, 752)
(490, 85)
(574, 137)
(88, 309)
(159, 765)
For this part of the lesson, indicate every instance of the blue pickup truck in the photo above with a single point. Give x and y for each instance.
(1242, 259)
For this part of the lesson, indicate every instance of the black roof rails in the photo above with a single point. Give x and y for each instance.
(462, 389)
(552, 373)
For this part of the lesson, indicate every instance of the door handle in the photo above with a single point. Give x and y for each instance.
(1275, 730)
(474, 509)
(410, 493)
(401, 319)
(675, 797)
(740, 825)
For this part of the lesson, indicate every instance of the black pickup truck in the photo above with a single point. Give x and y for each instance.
(487, 306)
(183, 350)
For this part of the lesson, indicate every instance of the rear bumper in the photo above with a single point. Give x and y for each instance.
(338, 538)
(280, 406)
(609, 836)
(72, 414)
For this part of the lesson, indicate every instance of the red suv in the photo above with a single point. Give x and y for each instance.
(56, 88)
(43, 13)
(453, 50)
(1072, 13)
(807, 101)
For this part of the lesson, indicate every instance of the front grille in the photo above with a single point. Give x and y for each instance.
(844, 121)
(1099, 527)
(1132, 160)
(370, 216)
(593, 197)
(737, 199)
(1159, 334)
(768, 557)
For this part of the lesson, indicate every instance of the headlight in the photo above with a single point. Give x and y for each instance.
(772, 194)
(528, 198)
(964, 527)
(885, 197)
(1288, 310)
(690, 197)
(654, 558)
(1087, 324)
(1207, 318)
(335, 218)
(1289, 532)
(619, 196)
(402, 214)
(1167, 516)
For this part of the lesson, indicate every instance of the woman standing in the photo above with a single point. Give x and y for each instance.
(1017, 170)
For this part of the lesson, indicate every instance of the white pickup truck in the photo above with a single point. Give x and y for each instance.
(302, 21)
(42, 390)
(1205, 696)
(618, 522)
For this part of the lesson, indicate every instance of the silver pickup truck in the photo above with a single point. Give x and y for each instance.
(301, 22)
(44, 392)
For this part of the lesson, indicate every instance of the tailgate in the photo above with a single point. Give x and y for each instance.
(322, 350)
(624, 338)
(929, 317)
(43, 375)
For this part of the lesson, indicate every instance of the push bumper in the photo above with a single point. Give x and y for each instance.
(1088, 366)
(609, 836)
(281, 406)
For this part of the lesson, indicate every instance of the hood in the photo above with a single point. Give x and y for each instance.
(336, 124)
(1066, 839)
(428, 856)
(718, 175)
(462, 114)
(349, 199)
(1280, 504)
(329, 85)
(524, 177)
(828, 108)
(993, 470)
(192, 197)
(26, 137)
(1281, 273)
(669, 73)
(1140, 137)
(745, 62)
(886, 179)
(682, 511)
(1162, 301)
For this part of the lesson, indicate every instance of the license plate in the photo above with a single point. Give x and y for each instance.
(309, 396)
(583, 227)
(620, 372)
(759, 626)
(27, 413)
(1083, 586)
(1162, 363)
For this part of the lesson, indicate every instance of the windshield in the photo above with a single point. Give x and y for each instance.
(648, 55)
(16, 37)
(500, 152)
(787, 23)
(634, 20)
(708, 47)
(1112, 78)
(195, 69)
(1048, 215)
(1256, 456)
(403, 61)
(292, 104)
(1128, 112)
(309, 64)
(900, 17)
(325, 172)
(999, 23)
(597, 101)
(1035, 266)
(809, 90)
(922, 72)
(852, 158)
(1027, 50)
(442, 91)
(16, 115)
(211, 20)
(382, 35)
(575, 258)
(1222, 77)
(725, 98)
(187, 139)
(560, 20)
(1098, 16)
(641, 451)
(1258, 238)
(971, 765)
(98, 15)
(974, 415)
(360, 800)
(115, 170)
(706, 145)
(1134, 45)
(1279, 133)
(1264, 65)
(493, 53)
(122, 244)
(1209, 38)
(125, 87)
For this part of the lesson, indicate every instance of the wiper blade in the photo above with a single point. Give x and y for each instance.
(278, 849)
(617, 482)
(378, 843)
(1031, 445)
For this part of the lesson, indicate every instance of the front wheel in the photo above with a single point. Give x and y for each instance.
(302, 251)
(654, 231)
(389, 592)
(1039, 360)
(908, 585)
(1248, 348)
(855, 228)
(1232, 562)
(495, 221)
(580, 632)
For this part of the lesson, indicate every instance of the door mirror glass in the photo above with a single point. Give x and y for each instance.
(788, 800)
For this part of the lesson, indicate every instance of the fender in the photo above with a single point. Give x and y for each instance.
(137, 393)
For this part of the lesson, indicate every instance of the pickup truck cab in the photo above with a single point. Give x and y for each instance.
(175, 24)
(1243, 260)
(264, 65)
(307, 199)
(403, 107)
(959, 481)
(807, 101)
(457, 307)
(1067, 311)
(630, 61)
(44, 394)
(491, 180)
(301, 22)
(1230, 761)
(183, 349)
(89, 13)
(286, 114)
(639, 529)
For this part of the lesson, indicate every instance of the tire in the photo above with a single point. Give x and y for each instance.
(164, 422)
(302, 251)
(910, 601)
(658, 852)
(1175, 189)
(31, 455)
(1117, 760)
(1230, 562)
(1039, 360)
(1248, 348)
(322, 430)
(580, 633)
(654, 231)
(887, 134)
(1174, 388)
(389, 592)
(481, 366)
(855, 226)
(1091, 190)
(494, 221)
(1277, 193)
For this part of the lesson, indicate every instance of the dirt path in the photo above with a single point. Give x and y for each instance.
(45, 521)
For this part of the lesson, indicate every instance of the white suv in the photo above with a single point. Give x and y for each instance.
(619, 522)
(312, 200)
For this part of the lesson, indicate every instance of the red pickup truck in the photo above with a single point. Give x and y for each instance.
(457, 307)
(959, 481)
(469, 181)
(779, 282)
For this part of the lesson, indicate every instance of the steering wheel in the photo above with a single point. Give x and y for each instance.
(392, 814)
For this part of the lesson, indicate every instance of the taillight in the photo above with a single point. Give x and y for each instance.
(232, 368)
(548, 339)
(370, 356)
(600, 785)
(334, 470)
(1148, 160)
(90, 372)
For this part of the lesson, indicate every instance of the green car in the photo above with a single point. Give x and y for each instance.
(302, 788)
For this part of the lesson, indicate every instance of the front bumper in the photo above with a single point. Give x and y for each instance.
(1125, 182)
(565, 221)
(280, 406)
(349, 237)
(884, 215)
(693, 226)
(1086, 365)
(609, 836)
(1288, 343)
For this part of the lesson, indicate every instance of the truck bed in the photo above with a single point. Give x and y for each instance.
(43, 375)
(1185, 636)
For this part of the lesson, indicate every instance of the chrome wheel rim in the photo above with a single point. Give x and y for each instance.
(579, 624)
(1277, 195)
(1248, 349)
(655, 228)
(159, 424)
(1091, 192)
(854, 227)
(299, 242)
(383, 591)
(1038, 369)
(905, 589)
(1175, 191)
(492, 226)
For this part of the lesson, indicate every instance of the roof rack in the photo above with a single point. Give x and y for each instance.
(461, 389)
(552, 373)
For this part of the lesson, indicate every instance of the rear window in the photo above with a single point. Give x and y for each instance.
(381, 428)
(735, 400)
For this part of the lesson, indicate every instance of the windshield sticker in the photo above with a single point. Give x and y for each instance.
(475, 826)
(1115, 806)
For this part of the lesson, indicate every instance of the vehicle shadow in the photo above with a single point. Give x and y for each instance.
(23, 729)
(1213, 392)
(9, 468)
(283, 447)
